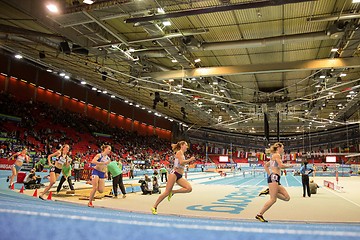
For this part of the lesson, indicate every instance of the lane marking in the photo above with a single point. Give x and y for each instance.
(337, 194)
(187, 226)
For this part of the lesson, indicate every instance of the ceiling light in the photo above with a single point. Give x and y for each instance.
(174, 60)
(342, 74)
(88, 1)
(48, 70)
(99, 91)
(18, 56)
(67, 77)
(197, 60)
(322, 76)
(52, 8)
(62, 74)
(104, 91)
(94, 88)
(83, 82)
(334, 49)
(355, 1)
(167, 23)
(160, 10)
(112, 96)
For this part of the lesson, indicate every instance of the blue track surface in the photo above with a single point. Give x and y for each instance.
(25, 217)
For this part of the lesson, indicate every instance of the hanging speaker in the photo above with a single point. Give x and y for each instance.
(42, 55)
(79, 50)
(64, 47)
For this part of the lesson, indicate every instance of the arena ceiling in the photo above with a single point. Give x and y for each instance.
(219, 64)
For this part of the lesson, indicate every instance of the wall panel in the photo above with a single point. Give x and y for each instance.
(150, 130)
(144, 116)
(3, 63)
(2, 82)
(20, 69)
(119, 107)
(50, 81)
(48, 97)
(142, 130)
(21, 90)
(98, 99)
(163, 123)
(128, 124)
(73, 105)
(75, 90)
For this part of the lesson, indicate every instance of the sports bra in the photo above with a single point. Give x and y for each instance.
(61, 159)
(274, 163)
(177, 163)
(20, 158)
(103, 158)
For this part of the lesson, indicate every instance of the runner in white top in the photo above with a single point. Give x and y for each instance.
(21, 157)
(175, 176)
(272, 168)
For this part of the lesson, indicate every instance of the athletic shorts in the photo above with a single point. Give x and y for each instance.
(178, 175)
(55, 170)
(273, 177)
(95, 172)
(17, 168)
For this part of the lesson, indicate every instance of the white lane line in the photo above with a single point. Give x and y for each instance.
(287, 184)
(297, 180)
(246, 229)
(339, 195)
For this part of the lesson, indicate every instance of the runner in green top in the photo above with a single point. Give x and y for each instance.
(115, 168)
(66, 175)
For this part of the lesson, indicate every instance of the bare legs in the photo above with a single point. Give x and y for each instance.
(98, 184)
(185, 188)
(14, 173)
(53, 177)
(276, 192)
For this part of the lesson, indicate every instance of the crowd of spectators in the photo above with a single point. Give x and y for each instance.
(43, 128)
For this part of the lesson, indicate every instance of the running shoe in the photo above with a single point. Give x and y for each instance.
(260, 218)
(90, 205)
(170, 195)
(124, 196)
(264, 192)
(154, 210)
(8, 179)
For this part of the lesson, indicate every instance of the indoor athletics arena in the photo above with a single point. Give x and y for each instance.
(179, 119)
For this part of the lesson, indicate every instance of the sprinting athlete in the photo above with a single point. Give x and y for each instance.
(20, 158)
(275, 189)
(55, 170)
(101, 160)
(175, 176)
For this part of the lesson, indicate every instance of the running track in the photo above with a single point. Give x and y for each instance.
(26, 217)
